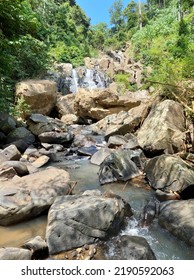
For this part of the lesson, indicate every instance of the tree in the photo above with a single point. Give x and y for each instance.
(116, 14)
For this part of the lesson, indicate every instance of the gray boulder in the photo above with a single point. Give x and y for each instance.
(178, 218)
(119, 166)
(82, 219)
(100, 156)
(20, 168)
(163, 129)
(126, 248)
(9, 153)
(170, 174)
(25, 197)
(20, 133)
(55, 137)
(10, 253)
(7, 123)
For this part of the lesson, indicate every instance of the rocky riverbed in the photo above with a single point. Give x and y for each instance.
(104, 175)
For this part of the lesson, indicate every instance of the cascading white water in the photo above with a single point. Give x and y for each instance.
(74, 82)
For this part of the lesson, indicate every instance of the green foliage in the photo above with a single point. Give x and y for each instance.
(21, 108)
(123, 83)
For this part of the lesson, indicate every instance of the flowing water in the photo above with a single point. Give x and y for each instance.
(136, 192)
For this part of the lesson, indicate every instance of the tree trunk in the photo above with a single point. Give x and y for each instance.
(140, 15)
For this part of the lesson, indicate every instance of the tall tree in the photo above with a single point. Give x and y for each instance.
(116, 14)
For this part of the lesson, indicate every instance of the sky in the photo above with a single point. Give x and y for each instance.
(97, 10)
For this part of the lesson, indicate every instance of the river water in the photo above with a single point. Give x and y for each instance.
(135, 192)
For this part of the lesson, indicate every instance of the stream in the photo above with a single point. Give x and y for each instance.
(135, 192)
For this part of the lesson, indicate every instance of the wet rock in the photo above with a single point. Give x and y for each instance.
(125, 248)
(149, 213)
(161, 130)
(10, 253)
(38, 247)
(170, 174)
(118, 166)
(178, 218)
(100, 156)
(9, 153)
(132, 142)
(87, 151)
(164, 196)
(20, 133)
(25, 197)
(81, 219)
(2, 138)
(36, 93)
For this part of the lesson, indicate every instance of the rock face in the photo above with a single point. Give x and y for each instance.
(127, 248)
(65, 104)
(97, 104)
(170, 173)
(119, 166)
(40, 95)
(20, 133)
(27, 197)
(178, 218)
(163, 129)
(77, 220)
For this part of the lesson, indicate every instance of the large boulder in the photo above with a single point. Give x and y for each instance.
(65, 104)
(99, 103)
(170, 174)
(178, 218)
(163, 129)
(28, 196)
(74, 221)
(121, 123)
(119, 166)
(40, 95)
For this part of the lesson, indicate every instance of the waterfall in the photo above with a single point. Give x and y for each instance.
(80, 77)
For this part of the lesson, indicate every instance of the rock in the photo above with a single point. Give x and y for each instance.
(9, 153)
(36, 93)
(170, 174)
(7, 173)
(99, 103)
(87, 151)
(7, 123)
(125, 248)
(38, 247)
(100, 156)
(81, 219)
(164, 196)
(161, 130)
(20, 144)
(116, 140)
(20, 168)
(20, 133)
(121, 123)
(132, 142)
(118, 166)
(70, 119)
(26, 197)
(56, 137)
(42, 160)
(39, 124)
(10, 253)
(178, 218)
(65, 104)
